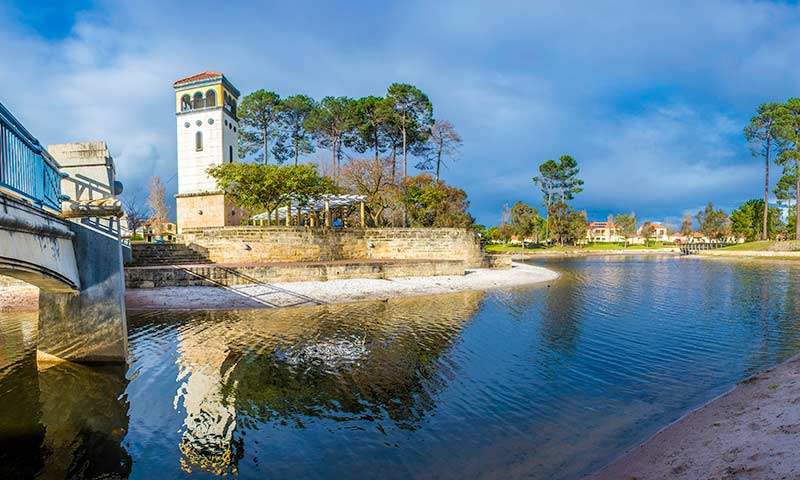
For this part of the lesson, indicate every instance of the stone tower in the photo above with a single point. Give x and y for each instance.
(208, 130)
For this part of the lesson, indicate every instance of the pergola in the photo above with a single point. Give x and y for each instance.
(326, 204)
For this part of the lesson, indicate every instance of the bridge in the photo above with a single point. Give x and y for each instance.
(690, 248)
(60, 231)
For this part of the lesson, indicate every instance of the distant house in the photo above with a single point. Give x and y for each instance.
(603, 232)
(659, 233)
(149, 231)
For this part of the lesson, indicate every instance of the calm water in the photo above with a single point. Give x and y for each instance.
(536, 382)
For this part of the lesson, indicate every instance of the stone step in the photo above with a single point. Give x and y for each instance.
(157, 254)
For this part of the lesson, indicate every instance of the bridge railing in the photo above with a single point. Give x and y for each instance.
(26, 168)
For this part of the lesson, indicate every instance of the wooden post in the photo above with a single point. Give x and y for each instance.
(312, 215)
(327, 213)
(288, 214)
(361, 216)
(299, 215)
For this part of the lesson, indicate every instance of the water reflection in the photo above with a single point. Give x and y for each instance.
(373, 363)
(65, 421)
(542, 382)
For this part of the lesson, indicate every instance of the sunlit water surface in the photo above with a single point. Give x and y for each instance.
(544, 382)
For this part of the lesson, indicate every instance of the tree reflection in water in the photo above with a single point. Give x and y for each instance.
(376, 362)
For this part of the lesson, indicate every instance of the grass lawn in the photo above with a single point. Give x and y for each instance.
(500, 248)
(751, 246)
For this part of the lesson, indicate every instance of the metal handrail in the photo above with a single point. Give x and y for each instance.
(26, 168)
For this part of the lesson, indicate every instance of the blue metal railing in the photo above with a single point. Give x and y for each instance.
(25, 166)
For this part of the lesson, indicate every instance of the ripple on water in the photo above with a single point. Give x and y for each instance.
(536, 382)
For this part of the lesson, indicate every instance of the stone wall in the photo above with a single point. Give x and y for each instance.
(299, 244)
(214, 275)
(206, 210)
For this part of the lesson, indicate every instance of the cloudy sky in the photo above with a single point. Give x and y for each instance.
(649, 97)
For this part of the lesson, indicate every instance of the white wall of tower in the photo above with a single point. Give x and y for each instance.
(218, 135)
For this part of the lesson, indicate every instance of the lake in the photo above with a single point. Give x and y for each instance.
(551, 381)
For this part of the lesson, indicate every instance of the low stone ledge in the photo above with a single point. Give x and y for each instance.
(233, 275)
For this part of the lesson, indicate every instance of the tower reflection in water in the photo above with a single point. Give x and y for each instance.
(62, 421)
(378, 363)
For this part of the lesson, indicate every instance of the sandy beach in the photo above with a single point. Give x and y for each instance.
(293, 294)
(752, 432)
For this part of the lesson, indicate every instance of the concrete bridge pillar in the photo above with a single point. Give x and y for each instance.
(87, 326)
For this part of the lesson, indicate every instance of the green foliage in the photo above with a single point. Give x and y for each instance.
(765, 139)
(746, 220)
(626, 226)
(567, 225)
(432, 203)
(714, 224)
(647, 232)
(258, 117)
(267, 187)
(371, 116)
(293, 138)
(414, 113)
(547, 181)
(525, 222)
(330, 121)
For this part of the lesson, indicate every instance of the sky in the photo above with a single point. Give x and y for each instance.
(649, 97)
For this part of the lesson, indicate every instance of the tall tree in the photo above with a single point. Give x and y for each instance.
(330, 121)
(370, 119)
(567, 178)
(443, 141)
(765, 141)
(292, 116)
(547, 181)
(789, 132)
(157, 203)
(414, 111)
(258, 116)
(626, 226)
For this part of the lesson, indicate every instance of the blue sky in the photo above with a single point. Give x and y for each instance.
(649, 97)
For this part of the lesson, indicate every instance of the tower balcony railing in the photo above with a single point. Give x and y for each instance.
(26, 169)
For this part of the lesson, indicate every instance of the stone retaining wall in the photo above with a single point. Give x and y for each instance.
(298, 244)
(219, 275)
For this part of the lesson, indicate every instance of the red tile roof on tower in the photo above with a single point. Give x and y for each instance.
(197, 77)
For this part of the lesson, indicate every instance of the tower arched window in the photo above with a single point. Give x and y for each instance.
(211, 98)
(230, 153)
(186, 103)
(198, 100)
(198, 141)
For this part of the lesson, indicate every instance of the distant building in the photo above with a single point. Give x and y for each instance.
(208, 133)
(603, 232)
(659, 233)
(149, 232)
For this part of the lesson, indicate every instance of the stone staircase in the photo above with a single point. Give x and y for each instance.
(158, 254)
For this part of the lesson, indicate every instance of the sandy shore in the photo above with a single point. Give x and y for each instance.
(292, 294)
(752, 432)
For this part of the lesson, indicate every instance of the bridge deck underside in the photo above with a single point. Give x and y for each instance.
(36, 247)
